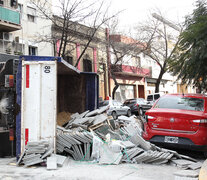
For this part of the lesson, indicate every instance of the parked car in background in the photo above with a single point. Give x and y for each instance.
(151, 98)
(115, 108)
(138, 106)
(178, 120)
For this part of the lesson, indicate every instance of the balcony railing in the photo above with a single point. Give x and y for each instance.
(145, 72)
(9, 15)
(9, 19)
(11, 47)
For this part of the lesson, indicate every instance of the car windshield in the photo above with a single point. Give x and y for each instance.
(116, 103)
(177, 102)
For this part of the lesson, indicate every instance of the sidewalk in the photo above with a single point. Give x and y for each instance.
(87, 171)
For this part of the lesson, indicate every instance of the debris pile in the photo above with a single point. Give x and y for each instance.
(35, 153)
(119, 140)
(76, 144)
(94, 136)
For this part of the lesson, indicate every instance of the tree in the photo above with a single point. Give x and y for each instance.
(120, 52)
(161, 40)
(72, 14)
(190, 61)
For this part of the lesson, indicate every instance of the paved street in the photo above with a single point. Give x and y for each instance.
(86, 171)
(83, 170)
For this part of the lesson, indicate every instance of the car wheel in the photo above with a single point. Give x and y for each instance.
(129, 113)
(141, 112)
(205, 154)
(114, 115)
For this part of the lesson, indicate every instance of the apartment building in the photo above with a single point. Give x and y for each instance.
(131, 70)
(9, 23)
(22, 29)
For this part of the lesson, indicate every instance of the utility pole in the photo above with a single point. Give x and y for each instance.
(170, 24)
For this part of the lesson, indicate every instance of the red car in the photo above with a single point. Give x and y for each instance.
(178, 120)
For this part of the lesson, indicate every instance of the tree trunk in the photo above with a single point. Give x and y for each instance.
(115, 87)
(157, 85)
(85, 48)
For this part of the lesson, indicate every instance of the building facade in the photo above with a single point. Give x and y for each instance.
(93, 55)
(10, 22)
(130, 71)
(22, 28)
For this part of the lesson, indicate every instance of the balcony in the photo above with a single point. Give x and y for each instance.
(9, 20)
(11, 47)
(131, 70)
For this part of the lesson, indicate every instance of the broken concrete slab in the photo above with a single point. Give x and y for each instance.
(76, 115)
(81, 120)
(127, 144)
(47, 153)
(182, 163)
(60, 159)
(124, 118)
(82, 115)
(52, 162)
(103, 109)
(195, 166)
(99, 119)
(92, 113)
(186, 175)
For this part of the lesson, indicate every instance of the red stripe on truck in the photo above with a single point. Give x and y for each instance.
(26, 135)
(27, 76)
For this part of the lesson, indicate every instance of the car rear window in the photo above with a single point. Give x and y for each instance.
(176, 102)
(156, 96)
(150, 98)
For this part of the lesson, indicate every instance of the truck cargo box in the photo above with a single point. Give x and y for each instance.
(47, 86)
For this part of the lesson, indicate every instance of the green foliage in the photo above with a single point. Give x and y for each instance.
(190, 61)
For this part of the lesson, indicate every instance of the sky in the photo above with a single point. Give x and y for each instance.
(138, 10)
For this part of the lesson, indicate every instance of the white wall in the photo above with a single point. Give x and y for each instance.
(31, 30)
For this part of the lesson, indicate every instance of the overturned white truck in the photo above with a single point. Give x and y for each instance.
(47, 86)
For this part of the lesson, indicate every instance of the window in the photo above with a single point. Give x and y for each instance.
(30, 18)
(13, 3)
(176, 102)
(69, 59)
(20, 9)
(1, 2)
(87, 65)
(32, 51)
(31, 14)
(150, 98)
(156, 96)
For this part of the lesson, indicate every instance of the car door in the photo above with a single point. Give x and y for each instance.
(116, 107)
(133, 105)
(143, 104)
(121, 109)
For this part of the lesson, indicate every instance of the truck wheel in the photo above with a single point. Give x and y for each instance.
(129, 113)
(114, 115)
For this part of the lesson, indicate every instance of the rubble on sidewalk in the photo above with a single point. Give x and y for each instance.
(94, 136)
(35, 153)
